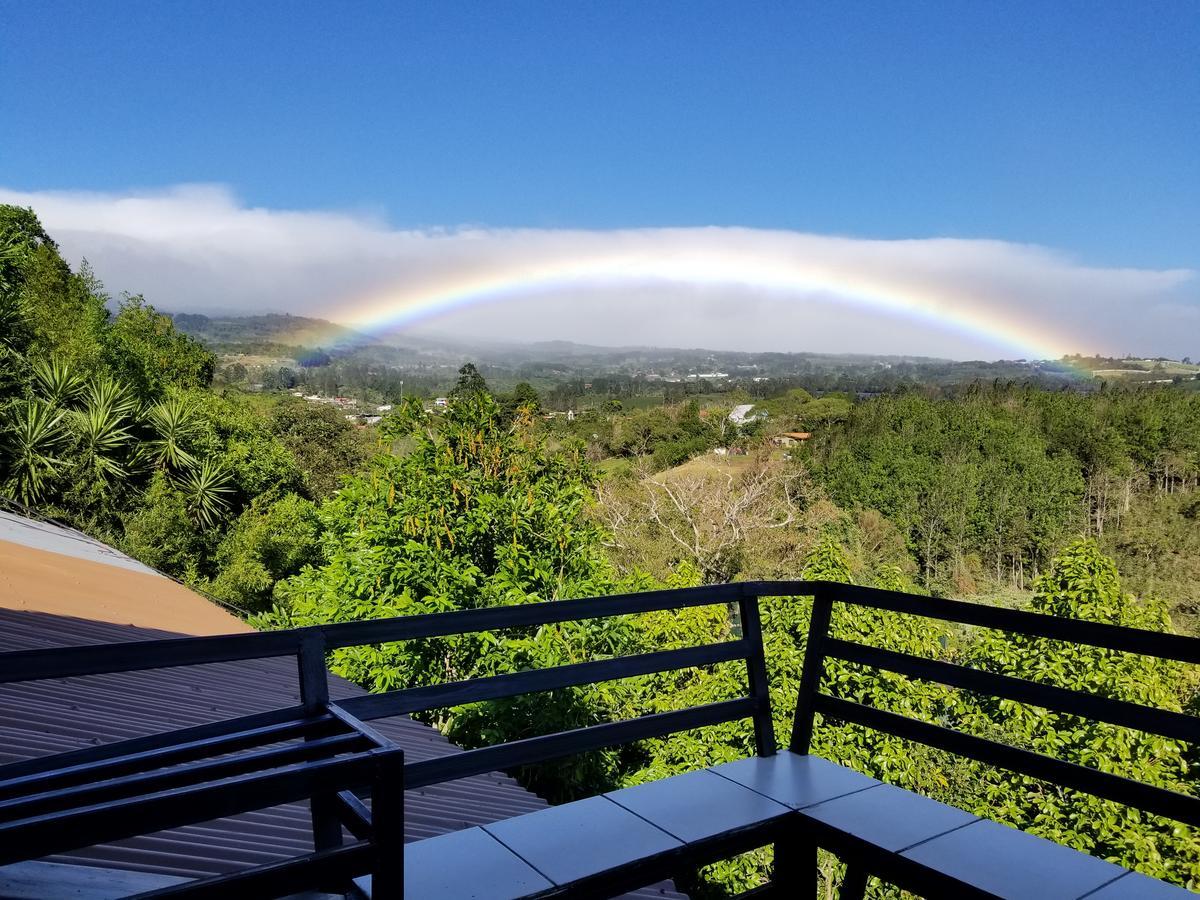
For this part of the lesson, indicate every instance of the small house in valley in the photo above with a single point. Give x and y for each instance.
(791, 438)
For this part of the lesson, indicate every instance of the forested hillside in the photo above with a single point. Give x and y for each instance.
(970, 492)
(988, 487)
(109, 419)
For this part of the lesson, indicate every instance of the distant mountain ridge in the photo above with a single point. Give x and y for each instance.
(307, 332)
(272, 328)
(311, 341)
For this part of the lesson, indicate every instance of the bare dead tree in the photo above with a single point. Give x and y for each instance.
(706, 514)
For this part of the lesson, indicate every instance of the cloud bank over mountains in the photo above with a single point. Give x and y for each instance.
(197, 248)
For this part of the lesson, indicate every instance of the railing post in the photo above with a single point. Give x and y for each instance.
(314, 685)
(810, 676)
(795, 872)
(314, 696)
(387, 825)
(756, 675)
(854, 882)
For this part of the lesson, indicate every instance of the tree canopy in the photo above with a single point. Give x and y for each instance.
(109, 419)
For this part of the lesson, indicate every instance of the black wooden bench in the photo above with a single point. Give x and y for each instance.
(631, 837)
(797, 801)
(605, 845)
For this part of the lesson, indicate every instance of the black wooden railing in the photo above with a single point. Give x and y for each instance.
(56, 803)
(1149, 798)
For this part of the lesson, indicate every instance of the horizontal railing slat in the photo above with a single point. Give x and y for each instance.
(407, 628)
(1151, 799)
(103, 822)
(395, 703)
(568, 743)
(178, 776)
(129, 656)
(164, 748)
(1077, 703)
(134, 656)
(328, 869)
(32, 665)
(1182, 648)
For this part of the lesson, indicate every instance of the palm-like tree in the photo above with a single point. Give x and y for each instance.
(111, 394)
(11, 359)
(174, 423)
(33, 434)
(206, 489)
(14, 331)
(11, 250)
(57, 382)
(102, 428)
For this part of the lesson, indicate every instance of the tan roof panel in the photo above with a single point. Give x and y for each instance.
(45, 567)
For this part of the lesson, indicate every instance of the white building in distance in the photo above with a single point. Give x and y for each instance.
(741, 414)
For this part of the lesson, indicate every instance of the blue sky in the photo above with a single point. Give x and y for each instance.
(1074, 126)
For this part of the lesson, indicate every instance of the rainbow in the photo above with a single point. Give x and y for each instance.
(415, 302)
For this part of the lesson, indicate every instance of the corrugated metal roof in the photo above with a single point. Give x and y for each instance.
(52, 716)
(55, 537)
(48, 567)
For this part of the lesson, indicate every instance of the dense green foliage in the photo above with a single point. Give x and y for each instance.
(1082, 583)
(108, 418)
(475, 513)
(108, 421)
(988, 487)
(324, 445)
(968, 483)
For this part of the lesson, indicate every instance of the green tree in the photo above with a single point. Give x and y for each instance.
(143, 350)
(523, 400)
(1082, 583)
(57, 381)
(102, 431)
(206, 487)
(268, 542)
(159, 531)
(33, 439)
(56, 312)
(175, 427)
(232, 429)
(475, 514)
(470, 383)
(326, 447)
(234, 373)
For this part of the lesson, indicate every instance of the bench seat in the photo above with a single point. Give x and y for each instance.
(573, 842)
(624, 839)
(795, 781)
(961, 854)
(700, 806)
(1136, 886)
(635, 836)
(888, 818)
(1001, 861)
(468, 864)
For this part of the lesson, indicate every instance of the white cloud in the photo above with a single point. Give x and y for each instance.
(197, 248)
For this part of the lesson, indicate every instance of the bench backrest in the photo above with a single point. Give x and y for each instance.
(755, 705)
(310, 646)
(822, 645)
